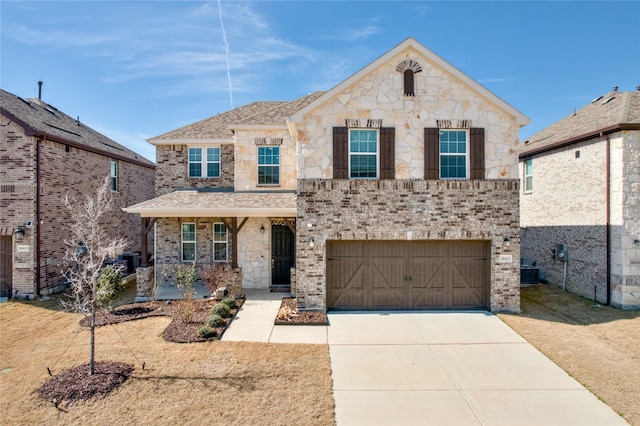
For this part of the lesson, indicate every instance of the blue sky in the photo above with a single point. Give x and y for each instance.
(136, 69)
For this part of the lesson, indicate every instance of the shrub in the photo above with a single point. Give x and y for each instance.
(109, 284)
(230, 302)
(206, 332)
(221, 309)
(215, 320)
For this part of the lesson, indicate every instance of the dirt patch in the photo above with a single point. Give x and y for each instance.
(597, 345)
(178, 331)
(288, 314)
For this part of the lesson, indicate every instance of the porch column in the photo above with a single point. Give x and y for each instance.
(147, 224)
(231, 223)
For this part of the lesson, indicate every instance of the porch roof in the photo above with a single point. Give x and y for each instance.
(202, 203)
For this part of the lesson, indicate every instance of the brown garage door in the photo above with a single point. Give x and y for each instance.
(407, 275)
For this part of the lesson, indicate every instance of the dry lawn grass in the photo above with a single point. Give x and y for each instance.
(598, 346)
(225, 383)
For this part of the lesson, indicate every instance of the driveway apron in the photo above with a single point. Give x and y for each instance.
(449, 368)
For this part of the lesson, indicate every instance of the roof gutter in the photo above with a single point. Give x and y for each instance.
(211, 212)
(580, 138)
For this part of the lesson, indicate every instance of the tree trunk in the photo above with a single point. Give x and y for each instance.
(93, 338)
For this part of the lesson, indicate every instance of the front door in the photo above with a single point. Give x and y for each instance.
(282, 254)
(6, 268)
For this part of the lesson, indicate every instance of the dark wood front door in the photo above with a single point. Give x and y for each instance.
(407, 275)
(6, 267)
(282, 254)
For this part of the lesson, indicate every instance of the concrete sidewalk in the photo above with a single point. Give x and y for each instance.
(423, 368)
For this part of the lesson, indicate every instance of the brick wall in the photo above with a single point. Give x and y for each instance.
(64, 170)
(172, 169)
(387, 209)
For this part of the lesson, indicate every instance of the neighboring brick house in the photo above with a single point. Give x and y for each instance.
(580, 200)
(396, 189)
(45, 155)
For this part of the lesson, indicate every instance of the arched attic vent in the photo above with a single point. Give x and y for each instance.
(409, 67)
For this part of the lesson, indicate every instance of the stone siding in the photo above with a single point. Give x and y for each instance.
(568, 206)
(64, 170)
(407, 210)
(438, 96)
(253, 249)
(172, 170)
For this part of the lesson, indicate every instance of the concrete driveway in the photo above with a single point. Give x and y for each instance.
(449, 368)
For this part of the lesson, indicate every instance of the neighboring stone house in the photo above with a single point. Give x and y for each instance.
(45, 155)
(580, 200)
(396, 189)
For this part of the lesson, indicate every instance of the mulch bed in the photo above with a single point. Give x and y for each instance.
(178, 331)
(288, 314)
(76, 385)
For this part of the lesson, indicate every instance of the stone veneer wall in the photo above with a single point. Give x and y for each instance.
(172, 170)
(387, 209)
(64, 171)
(253, 250)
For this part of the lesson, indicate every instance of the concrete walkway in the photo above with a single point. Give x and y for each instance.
(422, 368)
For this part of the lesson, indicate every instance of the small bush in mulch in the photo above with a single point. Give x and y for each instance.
(230, 302)
(221, 309)
(207, 332)
(178, 331)
(288, 314)
(77, 386)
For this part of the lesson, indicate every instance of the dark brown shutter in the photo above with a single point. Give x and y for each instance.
(340, 153)
(387, 153)
(408, 83)
(476, 152)
(431, 153)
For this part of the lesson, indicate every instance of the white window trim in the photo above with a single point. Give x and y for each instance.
(204, 162)
(226, 242)
(466, 155)
(525, 176)
(194, 242)
(258, 166)
(113, 175)
(377, 152)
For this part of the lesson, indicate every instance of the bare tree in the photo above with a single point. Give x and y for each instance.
(88, 249)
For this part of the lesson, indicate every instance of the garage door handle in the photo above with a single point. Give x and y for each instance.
(407, 277)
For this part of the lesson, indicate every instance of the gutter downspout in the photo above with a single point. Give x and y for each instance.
(608, 212)
(38, 235)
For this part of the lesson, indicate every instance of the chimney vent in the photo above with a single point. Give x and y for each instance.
(615, 88)
(40, 90)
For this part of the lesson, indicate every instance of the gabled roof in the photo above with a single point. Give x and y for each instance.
(219, 127)
(40, 119)
(605, 114)
(433, 58)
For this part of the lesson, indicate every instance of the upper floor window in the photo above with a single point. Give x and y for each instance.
(188, 242)
(114, 175)
(363, 153)
(528, 175)
(204, 162)
(408, 83)
(454, 153)
(268, 165)
(220, 243)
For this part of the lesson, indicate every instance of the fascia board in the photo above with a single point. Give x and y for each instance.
(209, 212)
(191, 141)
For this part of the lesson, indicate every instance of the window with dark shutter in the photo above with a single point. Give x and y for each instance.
(431, 153)
(476, 152)
(340, 153)
(387, 153)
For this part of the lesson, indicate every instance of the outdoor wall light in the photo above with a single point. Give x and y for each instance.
(262, 229)
(18, 234)
(506, 240)
(312, 242)
(636, 243)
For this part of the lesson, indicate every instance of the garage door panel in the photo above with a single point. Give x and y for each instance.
(390, 275)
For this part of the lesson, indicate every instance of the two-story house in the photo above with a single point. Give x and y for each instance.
(396, 189)
(580, 200)
(47, 155)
